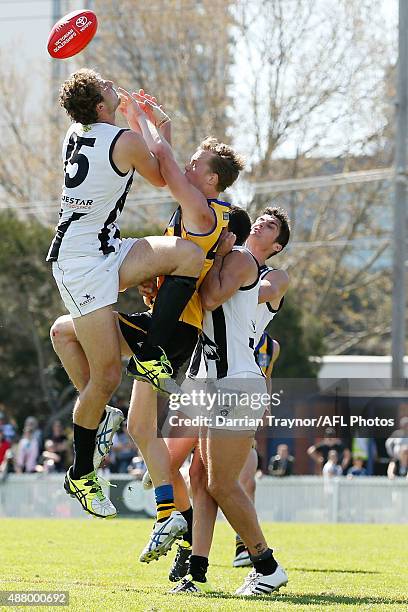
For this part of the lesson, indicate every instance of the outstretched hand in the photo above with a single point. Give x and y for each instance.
(151, 107)
(130, 108)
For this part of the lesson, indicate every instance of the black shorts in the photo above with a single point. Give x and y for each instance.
(134, 328)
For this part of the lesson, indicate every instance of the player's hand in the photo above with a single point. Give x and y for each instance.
(151, 107)
(130, 108)
(148, 289)
(227, 241)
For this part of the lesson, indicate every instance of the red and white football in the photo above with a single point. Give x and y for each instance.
(71, 34)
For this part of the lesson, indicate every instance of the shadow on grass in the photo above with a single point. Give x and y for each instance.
(310, 599)
(307, 569)
(330, 571)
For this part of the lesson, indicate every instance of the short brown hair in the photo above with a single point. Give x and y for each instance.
(283, 217)
(80, 94)
(224, 162)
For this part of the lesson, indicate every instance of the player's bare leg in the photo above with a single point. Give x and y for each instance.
(247, 481)
(226, 458)
(205, 514)
(142, 426)
(179, 449)
(104, 376)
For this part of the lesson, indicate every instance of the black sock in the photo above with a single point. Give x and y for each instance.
(188, 515)
(172, 298)
(239, 545)
(84, 445)
(198, 568)
(264, 563)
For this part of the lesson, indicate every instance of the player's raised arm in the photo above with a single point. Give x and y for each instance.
(132, 147)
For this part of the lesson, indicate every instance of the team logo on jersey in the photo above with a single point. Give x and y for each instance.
(210, 349)
(86, 128)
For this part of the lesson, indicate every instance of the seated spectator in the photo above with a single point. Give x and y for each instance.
(27, 452)
(320, 452)
(282, 464)
(50, 460)
(399, 467)
(123, 451)
(357, 469)
(60, 446)
(332, 468)
(397, 439)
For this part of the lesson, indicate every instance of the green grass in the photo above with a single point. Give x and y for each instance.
(330, 567)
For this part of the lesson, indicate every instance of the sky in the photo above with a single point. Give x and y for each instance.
(29, 23)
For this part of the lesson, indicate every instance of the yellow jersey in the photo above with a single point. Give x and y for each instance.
(193, 312)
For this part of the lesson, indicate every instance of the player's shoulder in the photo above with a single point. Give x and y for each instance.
(275, 274)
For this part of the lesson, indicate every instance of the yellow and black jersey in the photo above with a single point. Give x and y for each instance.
(193, 312)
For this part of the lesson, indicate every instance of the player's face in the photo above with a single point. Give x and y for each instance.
(266, 229)
(198, 171)
(109, 94)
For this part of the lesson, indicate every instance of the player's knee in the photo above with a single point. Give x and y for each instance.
(108, 380)
(198, 476)
(61, 332)
(248, 484)
(140, 432)
(191, 258)
(219, 488)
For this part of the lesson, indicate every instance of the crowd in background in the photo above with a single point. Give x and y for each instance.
(35, 450)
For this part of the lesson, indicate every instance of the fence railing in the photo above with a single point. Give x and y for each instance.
(308, 499)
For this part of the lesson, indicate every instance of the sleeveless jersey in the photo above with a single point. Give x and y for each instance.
(93, 193)
(227, 342)
(193, 312)
(264, 312)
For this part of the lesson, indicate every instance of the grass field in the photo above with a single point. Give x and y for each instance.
(330, 567)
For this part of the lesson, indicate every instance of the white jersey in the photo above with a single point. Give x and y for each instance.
(264, 312)
(93, 193)
(227, 342)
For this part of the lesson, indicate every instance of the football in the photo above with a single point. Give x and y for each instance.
(71, 34)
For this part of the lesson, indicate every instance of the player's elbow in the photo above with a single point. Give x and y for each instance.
(208, 302)
(158, 181)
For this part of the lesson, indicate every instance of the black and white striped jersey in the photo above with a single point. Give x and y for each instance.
(94, 192)
(264, 312)
(227, 342)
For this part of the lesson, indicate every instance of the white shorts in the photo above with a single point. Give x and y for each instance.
(235, 403)
(89, 283)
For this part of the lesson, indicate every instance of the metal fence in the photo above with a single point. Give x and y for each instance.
(308, 499)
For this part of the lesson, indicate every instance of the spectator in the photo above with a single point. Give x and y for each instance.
(332, 468)
(397, 439)
(50, 460)
(4, 446)
(60, 446)
(399, 467)
(27, 452)
(31, 423)
(320, 452)
(123, 451)
(137, 467)
(357, 469)
(282, 464)
(7, 427)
